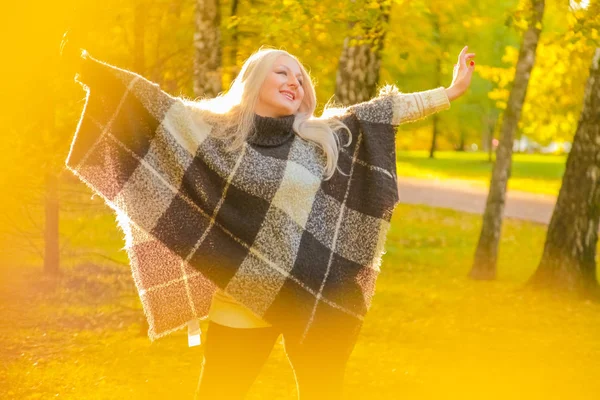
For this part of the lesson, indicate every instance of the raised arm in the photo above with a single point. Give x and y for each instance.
(394, 107)
(133, 140)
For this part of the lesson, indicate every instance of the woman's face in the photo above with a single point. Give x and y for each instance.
(281, 93)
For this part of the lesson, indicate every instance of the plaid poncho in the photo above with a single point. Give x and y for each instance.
(261, 223)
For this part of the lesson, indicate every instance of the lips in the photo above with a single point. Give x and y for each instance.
(288, 95)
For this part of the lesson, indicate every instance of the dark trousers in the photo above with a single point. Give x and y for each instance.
(233, 358)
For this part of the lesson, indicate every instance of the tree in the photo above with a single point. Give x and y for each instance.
(233, 51)
(425, 38)
(484, 266)
(207, 45)
(358, 69)
(139, 35)
(437, 37)
(569, 258)
(563, 68)
(51, 207)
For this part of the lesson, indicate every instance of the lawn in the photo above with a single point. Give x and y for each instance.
(534, 173)
(431, 333)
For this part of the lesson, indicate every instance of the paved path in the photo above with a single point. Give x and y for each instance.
(471, 197)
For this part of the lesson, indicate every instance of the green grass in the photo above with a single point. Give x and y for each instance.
(430, 334)
(533, 173)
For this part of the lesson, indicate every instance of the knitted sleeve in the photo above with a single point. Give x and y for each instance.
(135, 147)
(128, 121)
(393, 107)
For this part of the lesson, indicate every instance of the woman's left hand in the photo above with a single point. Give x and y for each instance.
(463, 71)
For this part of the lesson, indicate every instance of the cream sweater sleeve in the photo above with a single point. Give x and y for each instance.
(393, 107)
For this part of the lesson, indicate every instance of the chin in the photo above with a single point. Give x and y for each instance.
(287, 111)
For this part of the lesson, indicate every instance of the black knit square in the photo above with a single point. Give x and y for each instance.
(109, 167)
(311, 262)
(242, 213)
(219, 256)
(203, 185)
(345, 284)
(180, 227)
(371, 192)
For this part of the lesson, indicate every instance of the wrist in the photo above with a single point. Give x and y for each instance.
(452, 92)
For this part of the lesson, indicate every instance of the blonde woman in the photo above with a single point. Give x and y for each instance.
(250, 211)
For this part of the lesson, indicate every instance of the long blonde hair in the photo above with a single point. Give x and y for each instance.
(233, 111)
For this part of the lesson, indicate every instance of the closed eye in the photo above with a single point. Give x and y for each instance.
(285, 73)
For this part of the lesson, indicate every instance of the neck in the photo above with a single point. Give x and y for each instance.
(269, 115)
(268, 112)
(271, 131)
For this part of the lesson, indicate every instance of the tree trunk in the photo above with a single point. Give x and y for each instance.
(484, 265)
(435, 117)
(461, 140)
(51, 240)
(490, 124)
(207, 45)
(51, 210)
(234, 43)
(569, 258)
(139, 36)
(358, 70)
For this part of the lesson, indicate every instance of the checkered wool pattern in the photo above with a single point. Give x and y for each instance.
(259, 222)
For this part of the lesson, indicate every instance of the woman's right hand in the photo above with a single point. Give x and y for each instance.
(70, 54)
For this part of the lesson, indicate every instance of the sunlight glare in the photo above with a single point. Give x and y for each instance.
(577, 5)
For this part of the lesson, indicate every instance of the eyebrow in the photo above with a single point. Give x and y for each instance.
(286, 67)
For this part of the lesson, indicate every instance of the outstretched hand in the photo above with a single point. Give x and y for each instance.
(461, 77)
(70, 54)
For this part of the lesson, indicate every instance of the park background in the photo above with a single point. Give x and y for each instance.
(71, 324)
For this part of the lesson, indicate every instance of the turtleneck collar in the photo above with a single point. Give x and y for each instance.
(270, 131)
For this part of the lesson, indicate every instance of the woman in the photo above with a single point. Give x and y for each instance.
(248, 210)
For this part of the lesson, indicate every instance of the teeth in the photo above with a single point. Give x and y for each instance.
(289, 96)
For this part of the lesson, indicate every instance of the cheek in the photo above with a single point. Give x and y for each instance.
(276, 80)
(268, 86)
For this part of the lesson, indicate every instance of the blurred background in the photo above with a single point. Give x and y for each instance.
(71, 325)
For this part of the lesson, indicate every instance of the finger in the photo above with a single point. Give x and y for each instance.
(63, 43)
(463, 61)
(462, 54)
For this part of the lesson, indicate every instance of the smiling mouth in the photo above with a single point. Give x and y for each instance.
(288, 96)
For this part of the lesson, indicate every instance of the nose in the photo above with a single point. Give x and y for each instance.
(294, 81)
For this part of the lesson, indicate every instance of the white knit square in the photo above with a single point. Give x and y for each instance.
(145, 196)
(296, 193)
(352, 242)
(257, 282)
(167, 158)
(186, 126)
